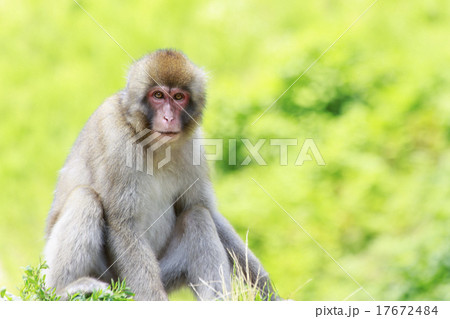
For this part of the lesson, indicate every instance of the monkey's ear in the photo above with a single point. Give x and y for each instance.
(138, 81)
(198, 86)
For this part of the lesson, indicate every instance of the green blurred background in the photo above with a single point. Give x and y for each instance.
(377, 106)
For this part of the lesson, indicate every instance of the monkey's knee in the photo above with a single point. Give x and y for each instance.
(74, 248)
(198, 219)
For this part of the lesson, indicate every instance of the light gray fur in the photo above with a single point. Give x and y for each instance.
(102, 211)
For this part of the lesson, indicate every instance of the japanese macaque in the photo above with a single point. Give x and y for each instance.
(157, 231)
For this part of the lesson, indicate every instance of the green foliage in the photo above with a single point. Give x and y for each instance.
(34, 285)
(34, 289)
(376, 104)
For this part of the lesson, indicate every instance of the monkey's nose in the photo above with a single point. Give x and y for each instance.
(168, 118)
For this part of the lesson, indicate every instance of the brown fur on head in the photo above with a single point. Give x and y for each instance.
(169, 68)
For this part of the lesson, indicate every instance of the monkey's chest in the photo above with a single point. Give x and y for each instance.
(155, 214)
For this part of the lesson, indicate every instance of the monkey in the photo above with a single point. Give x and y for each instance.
(157, 231)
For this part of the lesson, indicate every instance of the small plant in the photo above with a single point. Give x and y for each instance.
(34, 289)
(34, 285)
(6, 296)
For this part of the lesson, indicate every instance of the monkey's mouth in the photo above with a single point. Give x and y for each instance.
(169, 133)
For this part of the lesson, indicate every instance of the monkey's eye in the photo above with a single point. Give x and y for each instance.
(158, 95)
(178, 96)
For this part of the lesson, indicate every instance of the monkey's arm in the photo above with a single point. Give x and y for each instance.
(233, 243)
(133, 260)
(230, 239)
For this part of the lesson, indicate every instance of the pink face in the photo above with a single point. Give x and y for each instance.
(167, 105)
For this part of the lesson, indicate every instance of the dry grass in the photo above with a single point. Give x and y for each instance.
(242, 287)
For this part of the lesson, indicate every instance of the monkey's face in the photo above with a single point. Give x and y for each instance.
(165, 93)
(167, 106)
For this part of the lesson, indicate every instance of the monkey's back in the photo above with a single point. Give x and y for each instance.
(85, 155)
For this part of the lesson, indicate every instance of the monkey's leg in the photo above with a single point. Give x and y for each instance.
(74, 250)
(134, 261)
(196, 255)
(246, 259)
